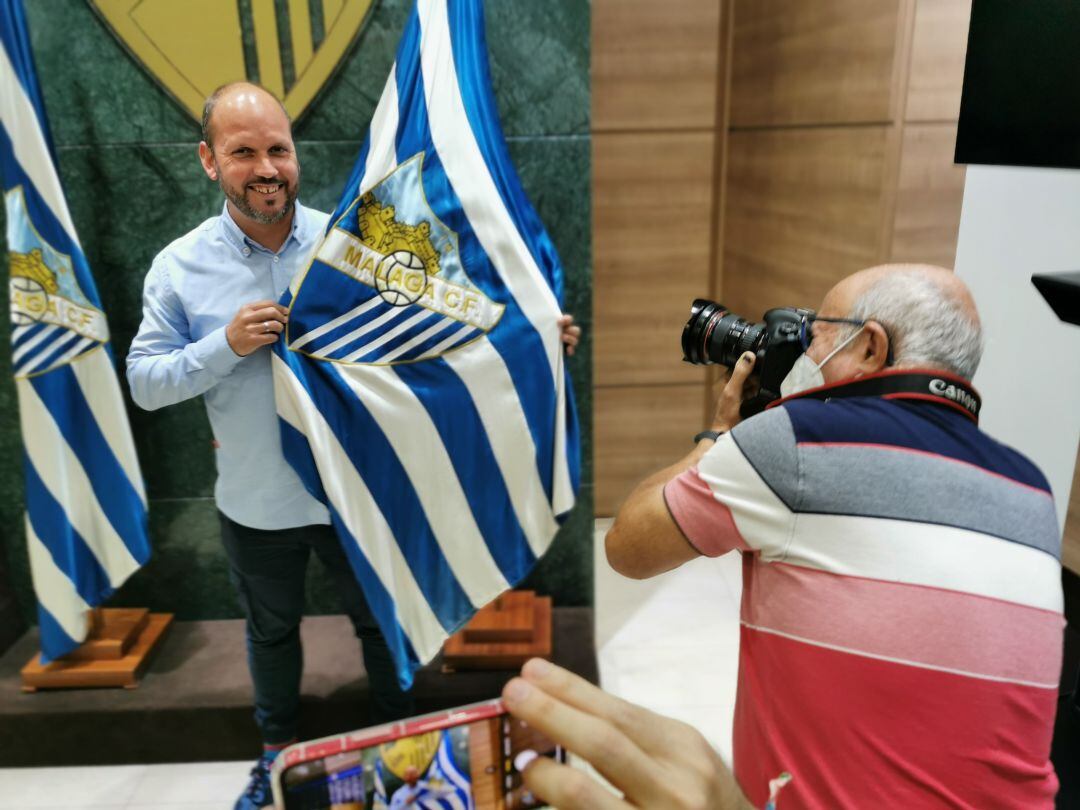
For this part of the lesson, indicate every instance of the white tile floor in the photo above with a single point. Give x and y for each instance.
(670, 644)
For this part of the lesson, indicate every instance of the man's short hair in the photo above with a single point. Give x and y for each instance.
(927, 326)
(214, 97)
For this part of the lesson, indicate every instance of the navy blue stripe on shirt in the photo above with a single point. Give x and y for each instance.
(880, 476)
(912, 425)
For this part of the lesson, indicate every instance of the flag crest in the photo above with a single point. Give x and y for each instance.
(410, 298)
(52, 320)
(421, 385)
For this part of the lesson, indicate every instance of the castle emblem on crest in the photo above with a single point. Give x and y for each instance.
(413, 255)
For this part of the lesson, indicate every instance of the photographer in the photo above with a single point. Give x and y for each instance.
(901, 614)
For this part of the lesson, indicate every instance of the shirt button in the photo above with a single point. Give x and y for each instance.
(247, 251)
(276, 259)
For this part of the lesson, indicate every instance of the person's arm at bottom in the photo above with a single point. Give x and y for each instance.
(655, 761)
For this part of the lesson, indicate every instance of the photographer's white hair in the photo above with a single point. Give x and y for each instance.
(928, 324)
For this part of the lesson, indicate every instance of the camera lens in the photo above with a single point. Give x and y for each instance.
(715, 335)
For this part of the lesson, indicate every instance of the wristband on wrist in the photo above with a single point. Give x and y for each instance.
(709, 434)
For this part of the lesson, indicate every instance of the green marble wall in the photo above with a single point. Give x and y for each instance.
(128, 161)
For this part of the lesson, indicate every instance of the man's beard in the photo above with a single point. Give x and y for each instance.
(238, 197)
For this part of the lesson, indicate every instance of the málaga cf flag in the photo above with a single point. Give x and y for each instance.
(85, 503)
(421, 385)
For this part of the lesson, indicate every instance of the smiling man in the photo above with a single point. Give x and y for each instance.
(209, 312)
(264, 194)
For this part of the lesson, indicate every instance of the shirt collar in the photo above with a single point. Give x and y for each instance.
(918, 384)
(239, 240)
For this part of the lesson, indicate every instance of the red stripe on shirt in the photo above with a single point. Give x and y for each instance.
(859, 732)
(705, 520)
(921, 626)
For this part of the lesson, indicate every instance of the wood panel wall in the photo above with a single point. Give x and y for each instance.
(930, 188)
(812, 145)
(757, 151)
(760, 151)
(657, 97)
(842, 124)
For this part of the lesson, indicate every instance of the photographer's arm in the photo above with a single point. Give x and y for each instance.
(645, 540)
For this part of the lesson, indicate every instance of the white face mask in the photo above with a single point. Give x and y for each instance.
(806, 374)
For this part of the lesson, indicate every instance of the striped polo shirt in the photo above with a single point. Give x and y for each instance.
(901, 627)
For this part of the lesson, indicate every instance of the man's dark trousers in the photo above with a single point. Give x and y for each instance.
(268, 568)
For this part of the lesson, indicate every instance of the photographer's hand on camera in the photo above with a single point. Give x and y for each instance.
(737, 386)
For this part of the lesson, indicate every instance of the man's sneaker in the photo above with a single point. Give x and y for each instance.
(258, 792)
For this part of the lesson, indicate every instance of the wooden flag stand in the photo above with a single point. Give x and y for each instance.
(115, 653)
(502, 635)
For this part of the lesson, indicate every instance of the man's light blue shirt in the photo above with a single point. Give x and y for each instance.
(194, 289)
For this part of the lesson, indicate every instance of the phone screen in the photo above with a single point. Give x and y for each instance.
(468, 764)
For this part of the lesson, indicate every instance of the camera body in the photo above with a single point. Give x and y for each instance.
(714, 334)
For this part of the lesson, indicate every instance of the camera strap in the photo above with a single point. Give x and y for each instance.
(925, 385)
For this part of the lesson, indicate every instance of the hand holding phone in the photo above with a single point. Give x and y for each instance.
(652, 760)
(459, 759)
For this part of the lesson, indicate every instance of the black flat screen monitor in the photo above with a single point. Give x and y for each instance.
(1021, 97)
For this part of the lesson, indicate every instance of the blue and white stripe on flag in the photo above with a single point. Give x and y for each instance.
(443, 786)
(85, 502)
(421, 385)
(455, 789)
(379, 799)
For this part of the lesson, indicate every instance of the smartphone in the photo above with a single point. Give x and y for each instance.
(467, 758)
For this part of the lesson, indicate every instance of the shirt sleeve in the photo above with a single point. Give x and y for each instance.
(164, 365)
(740, 496)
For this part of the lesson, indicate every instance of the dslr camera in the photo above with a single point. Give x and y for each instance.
(714, 334)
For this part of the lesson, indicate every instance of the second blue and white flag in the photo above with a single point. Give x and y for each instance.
(86, 520)
(421, 385)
